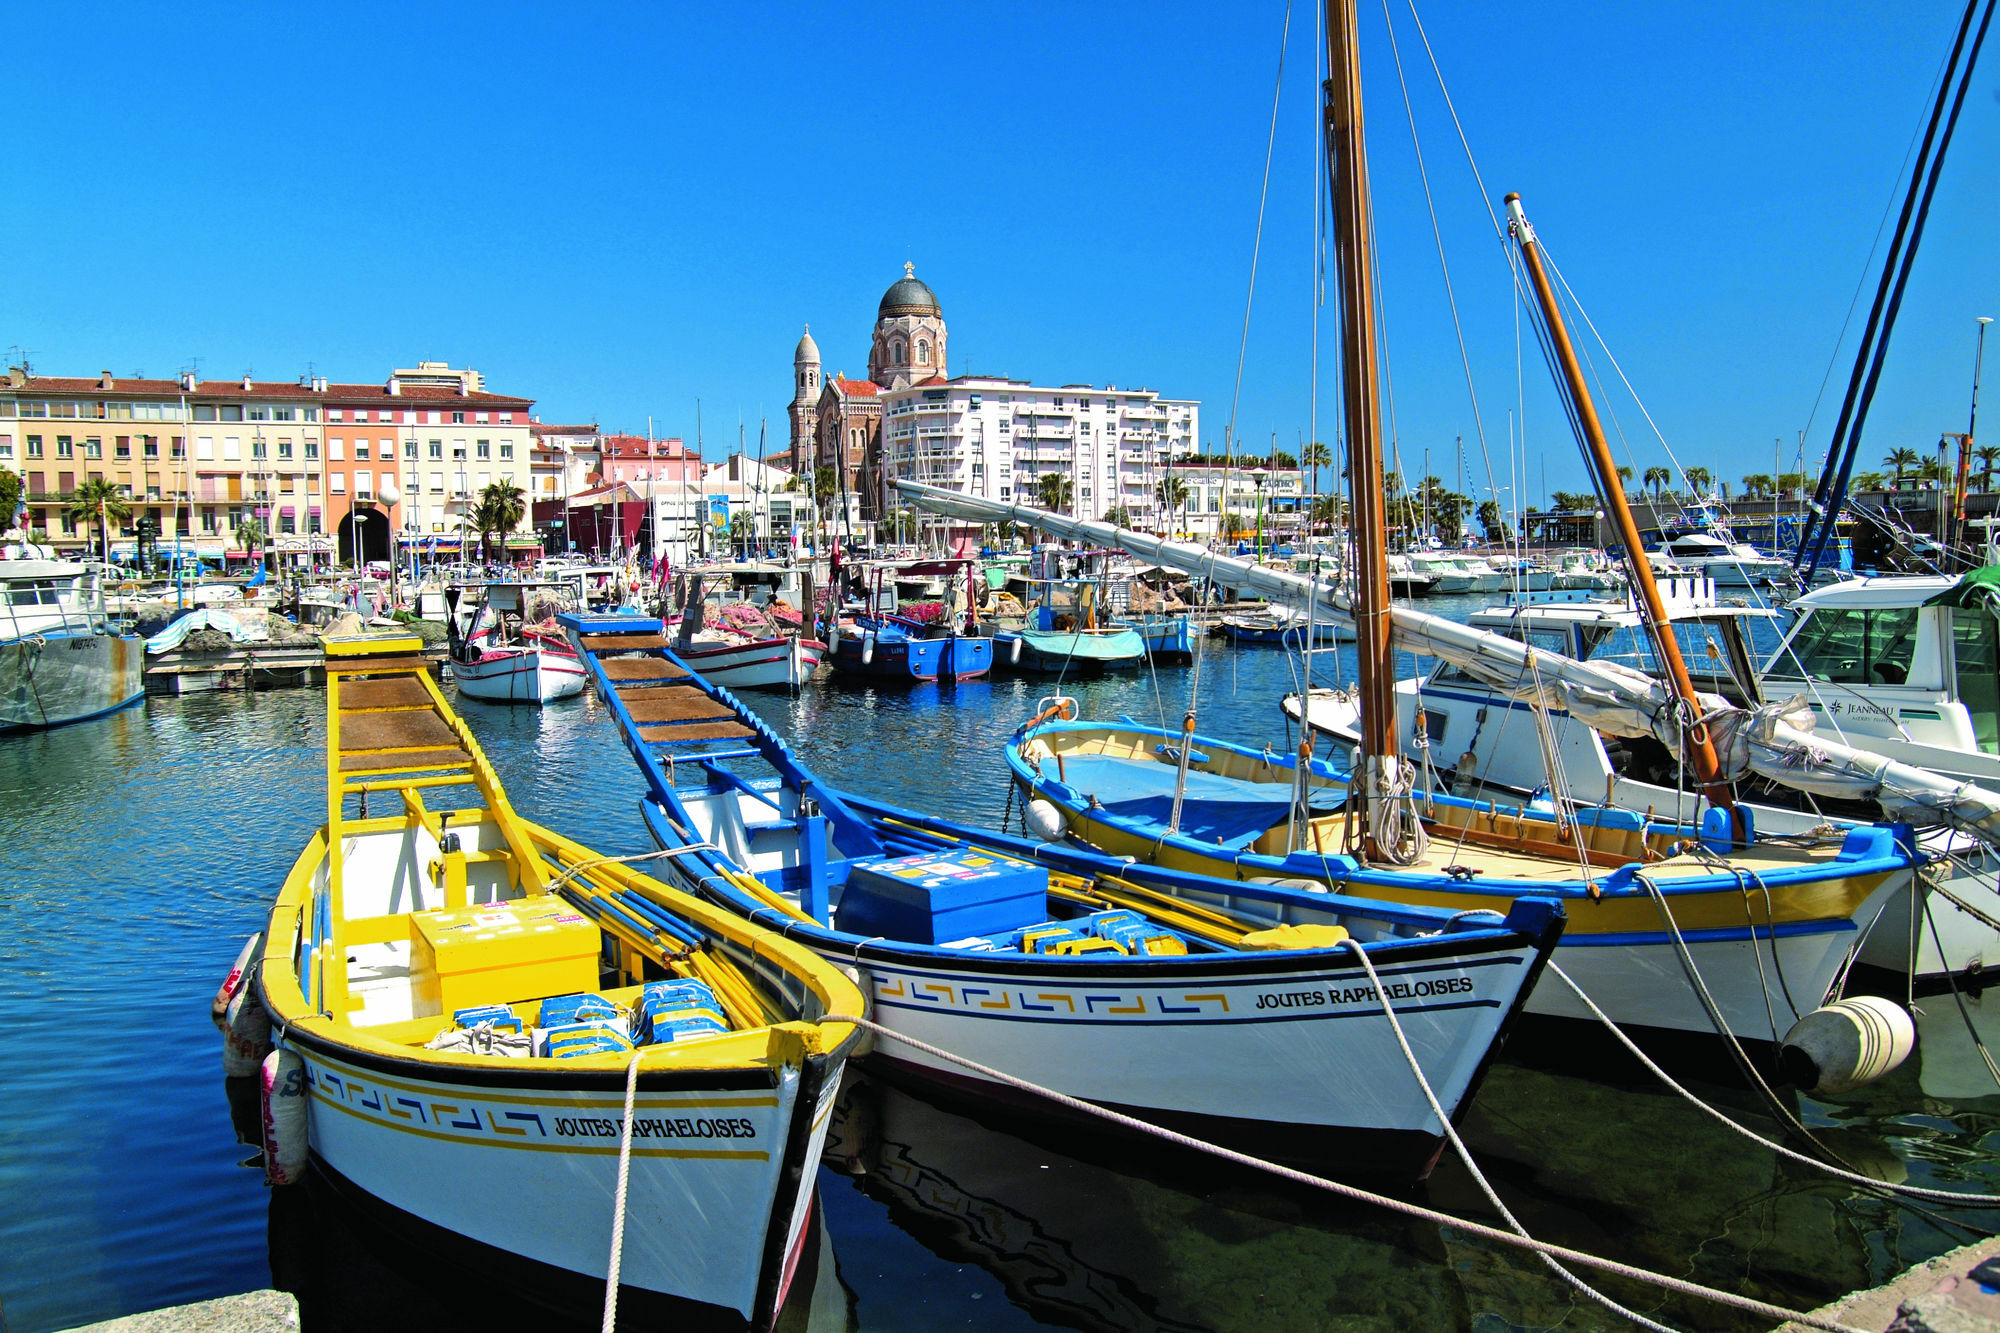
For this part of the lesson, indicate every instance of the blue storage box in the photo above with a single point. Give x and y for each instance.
(670, 1010)
(943, 896)
(499, 1015)
(586, 1038)
(560, 1009)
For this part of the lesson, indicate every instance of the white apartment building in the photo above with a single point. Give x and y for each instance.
(996, 438)
(1215, 492)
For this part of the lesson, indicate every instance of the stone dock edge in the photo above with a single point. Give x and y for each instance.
(1933, 1297)
(252, 1312)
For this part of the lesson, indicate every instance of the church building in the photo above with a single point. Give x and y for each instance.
(836, 421)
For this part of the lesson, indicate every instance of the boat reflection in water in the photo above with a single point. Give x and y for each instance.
(349, 1273)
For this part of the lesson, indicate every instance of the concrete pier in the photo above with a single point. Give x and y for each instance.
(1934, 1297)
(252, 1312)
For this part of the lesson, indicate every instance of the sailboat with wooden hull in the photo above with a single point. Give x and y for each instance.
(464, 1002)
(1227, 1010)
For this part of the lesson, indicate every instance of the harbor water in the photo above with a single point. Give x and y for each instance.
(138, 851)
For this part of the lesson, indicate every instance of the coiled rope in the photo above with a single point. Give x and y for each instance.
(1681, 1286)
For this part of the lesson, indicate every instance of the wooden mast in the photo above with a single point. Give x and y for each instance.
(1353, 236)
(1701, 747)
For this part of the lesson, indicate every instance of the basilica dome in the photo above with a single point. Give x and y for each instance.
(909, 296)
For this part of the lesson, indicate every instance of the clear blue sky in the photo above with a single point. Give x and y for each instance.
(616, 210)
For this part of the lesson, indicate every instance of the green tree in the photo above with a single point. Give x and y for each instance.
(97, 501)
(1574, 502)
(1987, 454)
(1757, 485)
(1494, 522)
(1118, 516)
(1281, 458)
(499, 509)
(1657, 478)
(1867, 481)
(1900, 459)
(1314, 456)
(1054, 491)
(10, 497)
(250, 534)
(1624, 475)
(1173, 493)
(1698, 479)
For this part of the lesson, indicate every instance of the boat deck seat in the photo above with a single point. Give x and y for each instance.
(1228, 812)
(616, 643)
(641, 669)
(670, 733)
(673, 705)
(388, 692)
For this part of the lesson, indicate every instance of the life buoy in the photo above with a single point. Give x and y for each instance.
(284, 1104)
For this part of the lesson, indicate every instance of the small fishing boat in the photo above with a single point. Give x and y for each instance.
(882, 644)
(464, 1003)
(1062, 634)
(1168, 636)
(60, 660)
(740, 662)
(499, 658)
(1281, 626)
(1248, 1018)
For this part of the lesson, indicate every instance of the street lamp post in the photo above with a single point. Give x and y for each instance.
(1258, 474)
(390, 494)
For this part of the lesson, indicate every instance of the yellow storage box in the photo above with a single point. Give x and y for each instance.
(500, 953)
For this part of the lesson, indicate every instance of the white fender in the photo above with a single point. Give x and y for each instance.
(1046, 821)
(253, 949)
(1014, 654)
(833, 637)
(246, 1034)
(867, 646)
(284, 1093)
(1847, 1043)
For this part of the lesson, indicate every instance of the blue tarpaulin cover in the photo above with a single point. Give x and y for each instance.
(1229, 812)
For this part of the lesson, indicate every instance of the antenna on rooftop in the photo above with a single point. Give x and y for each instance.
(19, 355)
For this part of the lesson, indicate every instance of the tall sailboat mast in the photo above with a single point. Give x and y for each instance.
(1700, 745)
(1353, 237)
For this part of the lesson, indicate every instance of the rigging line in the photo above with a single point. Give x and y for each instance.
(1243, 346)
(1437, 233)
(1868, 264)
(1499, 232)
(1834, 474)
(1907, 262)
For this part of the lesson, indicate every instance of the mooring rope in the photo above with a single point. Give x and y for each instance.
(618, 1201)
(1681, 1286)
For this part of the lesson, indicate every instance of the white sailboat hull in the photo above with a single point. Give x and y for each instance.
(520, 675)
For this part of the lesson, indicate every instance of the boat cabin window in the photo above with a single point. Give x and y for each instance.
(1975, 642)
(1855, 646)
(1544, 640)
(33, 594)
(1704, 648)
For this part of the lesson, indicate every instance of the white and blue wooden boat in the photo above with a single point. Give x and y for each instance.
(60, 660)
(1168, 636)
(1230, 1010)
(1770, 926)
(893, 649)
(460, 997)
(1282, 626)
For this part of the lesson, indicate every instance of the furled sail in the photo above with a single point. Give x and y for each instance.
(1775, 741)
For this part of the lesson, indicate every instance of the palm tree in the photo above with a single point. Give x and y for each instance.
(1173, 494)
(1624, 475)
(500, 508)
(1314, 457)
(98, 499)
(250, 535)
(1698, 479)
(1756, 484)
(1867, 481)
(1988, 455)
(1055, 491)
(1657, 478)
(1118, 516)
(1900, 459)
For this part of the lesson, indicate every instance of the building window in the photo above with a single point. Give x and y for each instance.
(480, 418)
(437, 483)
(506, 418)
(150, 445)
(6, 446)
(180, 446)
(361, 451)
(333, 414)
(284, 448)
(259, 414)
(436, 449)
(287, 524)
(923, 352)
(208, 519)
(284, 414)
(122, 447)
(93, 448)
(506, 449)
(485, 447)
(336, 448)
(337, 482)
(409, 448)
(458, 450)
(34, 446)
(258, 449)
(458, 418)
(312, 449)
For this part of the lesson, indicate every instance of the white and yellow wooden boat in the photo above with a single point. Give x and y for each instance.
(458, 997)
